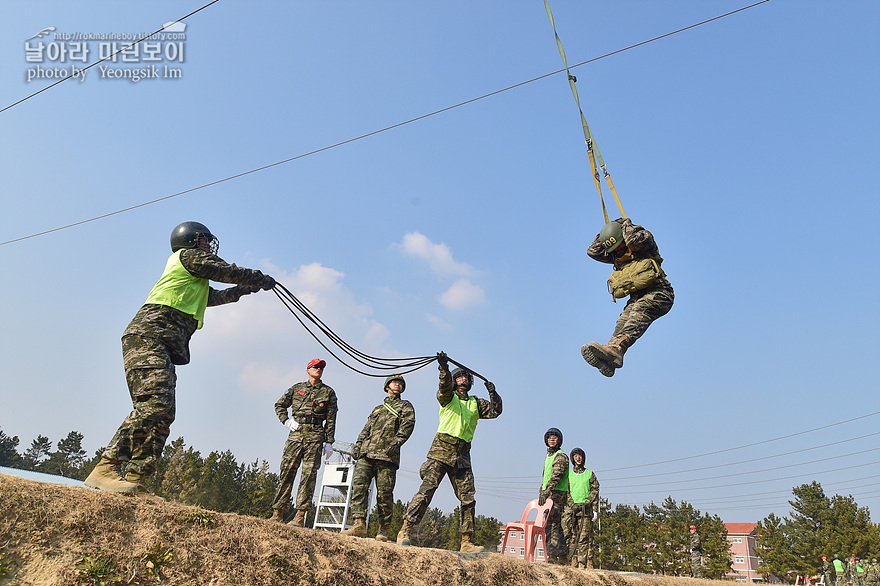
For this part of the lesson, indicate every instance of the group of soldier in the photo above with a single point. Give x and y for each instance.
(852, 571)
(309, 409)
(157, 340)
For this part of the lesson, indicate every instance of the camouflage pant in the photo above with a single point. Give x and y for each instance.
(697, 564)
(578, 527)
(385, 474)
(299, 449)
(462, 479)
(642, 308)
(151, 380)
(556, 545)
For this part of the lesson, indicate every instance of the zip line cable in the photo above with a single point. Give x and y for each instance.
(397, 365)
(63, 79)
(368, 134)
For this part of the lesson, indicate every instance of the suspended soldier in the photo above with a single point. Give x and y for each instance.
(312, 425)
(377, 452)
(450, 452)
(581, 511)
(555, 486)
(637, 274)
(156, 340)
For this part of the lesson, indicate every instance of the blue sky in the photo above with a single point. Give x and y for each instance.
(746, 145)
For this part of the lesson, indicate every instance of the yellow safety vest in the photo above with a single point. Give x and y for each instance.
(459, 418)
(178, 288)
(548, 471)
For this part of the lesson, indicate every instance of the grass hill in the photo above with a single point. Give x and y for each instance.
(59, 535)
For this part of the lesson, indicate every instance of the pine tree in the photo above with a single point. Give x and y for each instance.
(35, 455)
(773, 548)
(68, 460)
(9, 455)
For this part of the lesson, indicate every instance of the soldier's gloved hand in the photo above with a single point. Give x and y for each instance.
(443, 360)
(268, 283)
(595, 515)
(356, 452)
(328, 450)
(291, 424)
(490, 387)
(542, 497)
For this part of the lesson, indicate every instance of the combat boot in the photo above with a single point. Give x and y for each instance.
(359, 529)
(574, 562)
(139, 479)
(278, 515)
(299, 520)
(589, 563)
(107, 476)
(590, 354)
(403, 534)
(382, 535)
(613, 351)
(468, 546)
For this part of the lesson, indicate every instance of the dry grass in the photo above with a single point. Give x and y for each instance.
(52, 534)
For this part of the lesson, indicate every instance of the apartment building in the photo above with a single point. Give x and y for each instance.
(743, 553)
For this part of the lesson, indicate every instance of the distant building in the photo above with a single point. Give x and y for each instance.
(516, 545)
(743, 553)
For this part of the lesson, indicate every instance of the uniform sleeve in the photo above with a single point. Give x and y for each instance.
(637, 239)
(444, 387)
(407, 423)
(597, 252)
(210, 266)
(560, 467)
(282, 404)
(332, 409)
(594, 490)
(490, 409)
(228, 295)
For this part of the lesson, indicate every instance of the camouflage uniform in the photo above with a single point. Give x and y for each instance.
(311, 406)
(156, 340)
(557, 549)
(451, 456)
(696, 555)
(646, 305)
(826, 572)
(577, 520)
(378, 452)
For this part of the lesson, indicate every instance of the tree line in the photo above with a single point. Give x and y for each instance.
(653, 539)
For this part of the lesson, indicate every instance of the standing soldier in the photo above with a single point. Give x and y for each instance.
(555, 487)
(636, 258)
(156, 340)
(696, 553)
(377, 452)
(826, 572)
(312, 425)
(450, 452)
(839, 571)
(581, 511)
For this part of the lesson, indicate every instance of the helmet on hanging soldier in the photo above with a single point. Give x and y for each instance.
(463, 372)
(553, 431)
(188, 235)
(395, 377)
(611, 236)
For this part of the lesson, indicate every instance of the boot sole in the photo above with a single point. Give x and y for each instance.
(589, 354)
(605, 355)
(99, 484)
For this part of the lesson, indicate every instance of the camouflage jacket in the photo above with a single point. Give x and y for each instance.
(559, 469)
(696, 544)
(313, 407)
(451, 450)
(175, 328)
(581, 509)
(387, 429)
(639, 241)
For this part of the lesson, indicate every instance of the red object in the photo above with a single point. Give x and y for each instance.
(316, 362)
(532, 529)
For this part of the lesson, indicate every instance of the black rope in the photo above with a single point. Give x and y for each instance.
(399, 365)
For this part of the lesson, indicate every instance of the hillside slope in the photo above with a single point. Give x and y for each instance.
(53, 534)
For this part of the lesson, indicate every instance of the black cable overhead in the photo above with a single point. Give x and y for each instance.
(356, 138)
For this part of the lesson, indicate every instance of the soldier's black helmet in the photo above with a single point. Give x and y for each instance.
(579, 451)
(458, 372)
(611, 236)
(553, 431)
(395, 377)
(187, 234)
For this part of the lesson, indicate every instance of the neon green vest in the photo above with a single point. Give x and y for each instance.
(579, 485)
(838, 566)
(548, 471)
(178, 288)
(459, 418)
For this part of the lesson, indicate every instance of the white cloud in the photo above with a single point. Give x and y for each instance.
(462, 295)
(438, 256)
(438, 323)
